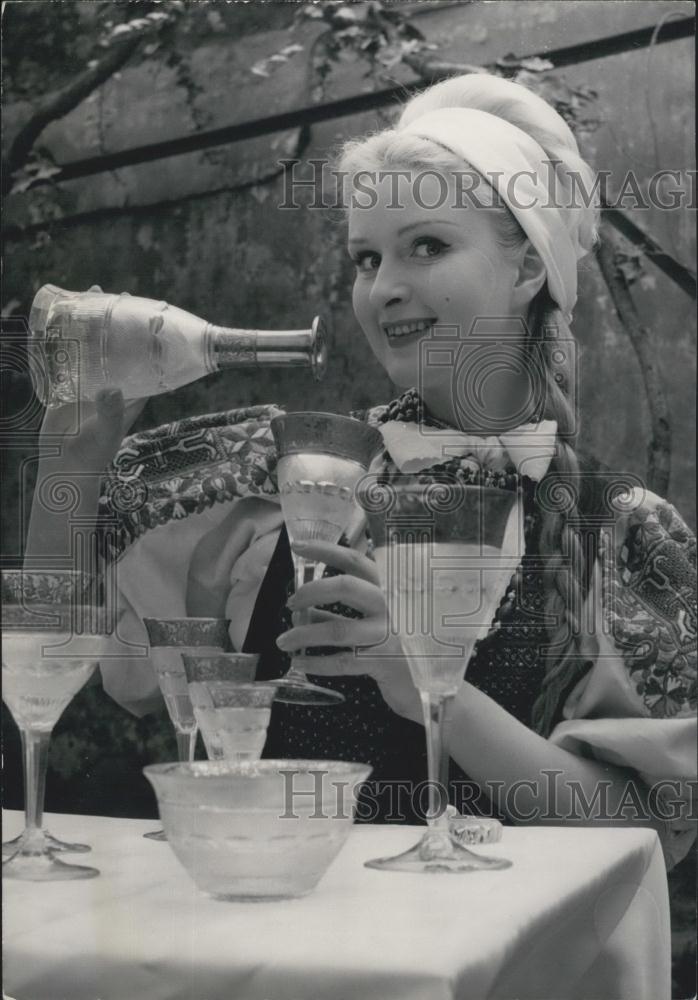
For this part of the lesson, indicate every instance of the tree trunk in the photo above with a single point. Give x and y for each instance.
(659, 448)
(56, 106)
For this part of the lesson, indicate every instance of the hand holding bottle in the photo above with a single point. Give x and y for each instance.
(86, 437)
(89, 434)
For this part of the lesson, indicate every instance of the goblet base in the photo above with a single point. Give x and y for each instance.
(35, 864)
(296, 689)
(155, 835)
(10, 847)
(438, 853)
(234, 898)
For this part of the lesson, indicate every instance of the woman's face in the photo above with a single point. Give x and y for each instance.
(420, 267)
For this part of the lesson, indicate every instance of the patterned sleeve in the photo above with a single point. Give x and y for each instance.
(189, 518)
(636, 707)
(650, 607)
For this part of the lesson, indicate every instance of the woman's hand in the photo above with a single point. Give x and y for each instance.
(84, 437)
(373, 650)
(89, 434)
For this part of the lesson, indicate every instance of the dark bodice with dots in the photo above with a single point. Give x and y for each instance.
(506, 665)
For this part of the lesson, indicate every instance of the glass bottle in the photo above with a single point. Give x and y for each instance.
(92, 339)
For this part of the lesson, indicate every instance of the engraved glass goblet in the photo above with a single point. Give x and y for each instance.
(53, 635)
(233, 718)
(169, 638)
(444, 553)
(232, 711)
(322, 457)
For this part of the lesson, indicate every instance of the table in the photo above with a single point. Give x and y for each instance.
(582, 914)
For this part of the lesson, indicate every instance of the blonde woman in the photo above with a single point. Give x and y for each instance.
(466, 220)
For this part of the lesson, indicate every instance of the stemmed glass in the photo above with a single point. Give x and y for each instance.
(444, 552)
(322, 457)
(233, 718)
(232, 711)
(53, 635)
(169, 638)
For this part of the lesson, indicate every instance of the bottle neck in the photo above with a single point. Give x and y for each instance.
(229, 348)
(226, 347)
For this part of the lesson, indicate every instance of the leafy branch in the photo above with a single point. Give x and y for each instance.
(377, 32)
(23, 166)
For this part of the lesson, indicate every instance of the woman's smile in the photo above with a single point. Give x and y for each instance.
(402, 331)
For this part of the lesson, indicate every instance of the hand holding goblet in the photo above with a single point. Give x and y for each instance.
(369, 648)
(322, 457)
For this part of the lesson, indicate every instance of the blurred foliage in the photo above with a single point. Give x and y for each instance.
(47, 43)
(381, 34)
(577, 105)
(57, 49)
(44, 42)
(384, 36)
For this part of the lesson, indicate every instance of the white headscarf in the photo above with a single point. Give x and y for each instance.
(514, 164)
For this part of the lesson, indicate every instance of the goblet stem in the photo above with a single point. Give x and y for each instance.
(295, 686)
(437, 851)
(445, 757)
(35, 759)
(34, 858)
(433, 707)
(301, 566)
(186, 745)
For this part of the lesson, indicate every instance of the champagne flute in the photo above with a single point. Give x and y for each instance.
(52, 641)
(169, 638)
(322, 456)
(444, 552)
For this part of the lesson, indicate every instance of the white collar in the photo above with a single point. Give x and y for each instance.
(414, 447)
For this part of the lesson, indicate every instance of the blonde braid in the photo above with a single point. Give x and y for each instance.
(557, 498)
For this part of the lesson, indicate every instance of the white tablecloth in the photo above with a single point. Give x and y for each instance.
(581, 914)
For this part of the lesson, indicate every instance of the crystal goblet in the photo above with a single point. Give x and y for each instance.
(53, 637)
(322, 456)
(444, 552)
(239, 668)
(233, 717)
(232, 711)
(169, 638)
